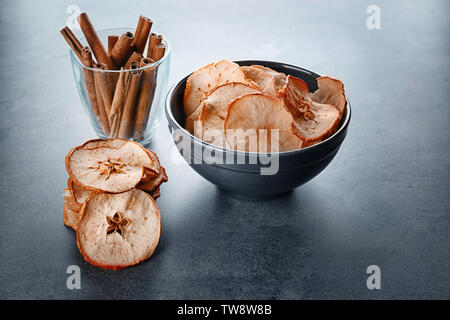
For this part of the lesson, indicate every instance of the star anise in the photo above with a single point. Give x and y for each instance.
(117, 224)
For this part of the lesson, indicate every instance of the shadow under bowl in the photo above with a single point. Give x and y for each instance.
(253, 175)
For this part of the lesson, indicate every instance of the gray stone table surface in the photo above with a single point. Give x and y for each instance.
(384, 200)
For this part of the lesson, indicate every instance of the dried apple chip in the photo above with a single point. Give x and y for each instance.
(153, 178)
(154, 182)
(278, 77)
(79, 194)
(149, 174)
(155, 193)
(112, 143)
(118, 143)
(331, 91)
(259, 122)
(263, 79)
(289, 141)
(314, 116)
(207, 78)
(295, 95)
(317, 123)
(156, 164)
(311, 120)
(119, 230)
(214, 110)
(71, 211)
(193, 117)
(108, 167)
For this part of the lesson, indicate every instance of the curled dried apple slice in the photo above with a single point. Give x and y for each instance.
(259, 122)
(278, 77)
(263, 79)
(108, 167)
(149, 174)
(312, 121)
(295, 95)
(71, 211)
(207, 78)
(318, 122)
(154, 182)
(79, 194)
(153, 178)
(118, 230)
(330, 91)
(155, 193)
(156, 164)
(214, 110)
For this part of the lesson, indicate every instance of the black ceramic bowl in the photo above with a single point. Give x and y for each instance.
(244, 178)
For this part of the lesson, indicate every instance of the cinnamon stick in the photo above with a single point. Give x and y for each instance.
(158, 51)
(101, 106)
(154, 40)
(122, 50)
(105, 87)
(94, 41)
(112, 40)
(118, 103)
(86, 59)
(145, 98)
(113, 77)
(72, 40)
(141, 34)
(135, 57)
(126, 123)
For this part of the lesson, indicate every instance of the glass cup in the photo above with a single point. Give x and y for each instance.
(137, 112)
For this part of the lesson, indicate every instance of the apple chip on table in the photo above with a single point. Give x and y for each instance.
(118, 230)
(109, 181)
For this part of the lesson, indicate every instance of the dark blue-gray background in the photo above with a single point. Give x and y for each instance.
(384, 200)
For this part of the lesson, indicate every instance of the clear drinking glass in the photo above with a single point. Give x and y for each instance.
(157, 82)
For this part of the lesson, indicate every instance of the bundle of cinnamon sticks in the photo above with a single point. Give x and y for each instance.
(121, 101)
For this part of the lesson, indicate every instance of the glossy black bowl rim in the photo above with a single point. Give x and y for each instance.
(173, 121)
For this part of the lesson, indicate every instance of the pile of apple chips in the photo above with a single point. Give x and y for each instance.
(225, 104)
(110, 201)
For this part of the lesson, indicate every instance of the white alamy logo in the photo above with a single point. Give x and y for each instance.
(263, 144)
(374, 280)
(74, 11)
(373, 22)
(74, 280)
